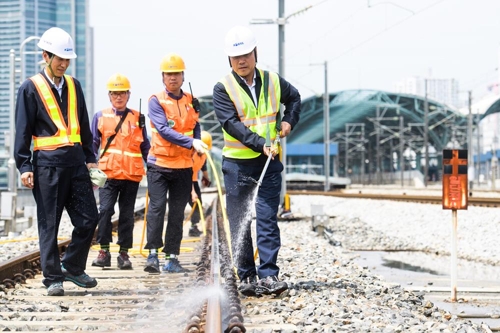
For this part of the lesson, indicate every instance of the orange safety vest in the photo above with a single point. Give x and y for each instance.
(182, 118)
(123, 158)
(198, 162)
(65, 135)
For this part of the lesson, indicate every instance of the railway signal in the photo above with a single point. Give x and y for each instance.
(455, 189)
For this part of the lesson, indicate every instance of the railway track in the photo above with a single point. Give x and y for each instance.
(481, 201)
(205, 299)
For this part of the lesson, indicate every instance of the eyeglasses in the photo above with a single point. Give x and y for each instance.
(115, 94)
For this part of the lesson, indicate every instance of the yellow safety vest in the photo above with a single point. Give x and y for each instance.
(259, 120)
(65, 135)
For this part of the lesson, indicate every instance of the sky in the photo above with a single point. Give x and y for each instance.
(367, 44)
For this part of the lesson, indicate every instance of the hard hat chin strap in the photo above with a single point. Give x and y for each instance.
(50, 69)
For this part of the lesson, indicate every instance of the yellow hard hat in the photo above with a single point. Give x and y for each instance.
(172, 63)
(207, 139)
(118, 82)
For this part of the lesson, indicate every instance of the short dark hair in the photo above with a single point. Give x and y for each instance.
(50, 54)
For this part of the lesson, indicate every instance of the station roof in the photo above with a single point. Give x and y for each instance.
(379, 113)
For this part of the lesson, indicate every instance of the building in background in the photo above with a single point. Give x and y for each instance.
(21, 19)
(441, 90)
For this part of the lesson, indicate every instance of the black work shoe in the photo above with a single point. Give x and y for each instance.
(82, 280)
(248, 286)
(103, 259)
(123, 261)
(271, 285)
(194, 231)
(55, 289)
(173, 266)
(152, 264)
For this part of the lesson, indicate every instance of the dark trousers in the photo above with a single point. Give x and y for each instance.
(55, 189)
(195, 217)
(177, 183)
(125, 191)
(240, 183)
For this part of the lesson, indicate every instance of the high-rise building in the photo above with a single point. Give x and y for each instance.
(441, 90)
(22, 19)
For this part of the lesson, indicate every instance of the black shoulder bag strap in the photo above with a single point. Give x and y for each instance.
(117, 128)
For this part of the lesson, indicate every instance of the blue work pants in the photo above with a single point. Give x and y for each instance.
(177, 184)
(240, 181)
(57, 188)
(125, 191)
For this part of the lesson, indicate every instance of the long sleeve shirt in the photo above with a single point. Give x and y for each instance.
(32, 119)
(228, 116)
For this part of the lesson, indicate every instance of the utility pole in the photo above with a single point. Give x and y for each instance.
(346, 157)
(401, 149)
(281, 21)
(470, 157)
(281, 72)
(326, 115)
(378, 130)
(494, 163)
(12, 127)
(426, 136)
(363, 154)
(478, 160)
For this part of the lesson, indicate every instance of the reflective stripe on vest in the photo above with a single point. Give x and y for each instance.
(125, 153)
(62, 137)
(123, 158)
(258, 120)
(181, 118)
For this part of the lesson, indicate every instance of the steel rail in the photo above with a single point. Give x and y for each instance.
(214, 313)
(429, 199)
(28, 265)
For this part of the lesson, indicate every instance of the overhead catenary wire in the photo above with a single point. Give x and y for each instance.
(356, 46)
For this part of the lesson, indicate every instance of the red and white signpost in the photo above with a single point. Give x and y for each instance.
(455, 197)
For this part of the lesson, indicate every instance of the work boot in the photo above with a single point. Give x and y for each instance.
(82, 280)
(271, 285)
(55, 289)
(194, 231)
(123, 261)
(103, 259)
(248, 286)
(152, 264)
(173, 266)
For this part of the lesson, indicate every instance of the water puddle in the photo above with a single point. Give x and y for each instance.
(418, 268)
(409, 267)
(477, 284)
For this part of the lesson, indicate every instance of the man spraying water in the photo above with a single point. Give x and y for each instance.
(247, 103)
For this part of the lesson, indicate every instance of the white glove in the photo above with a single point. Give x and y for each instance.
(199, 146)
(98, 177)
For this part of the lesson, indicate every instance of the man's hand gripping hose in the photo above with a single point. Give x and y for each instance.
(273, 151)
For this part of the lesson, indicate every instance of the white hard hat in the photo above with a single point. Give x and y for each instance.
(59, 42)
(98, 177)
(239, 40)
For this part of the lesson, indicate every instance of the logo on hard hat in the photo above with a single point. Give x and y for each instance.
(238, 44)
(68, 49)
